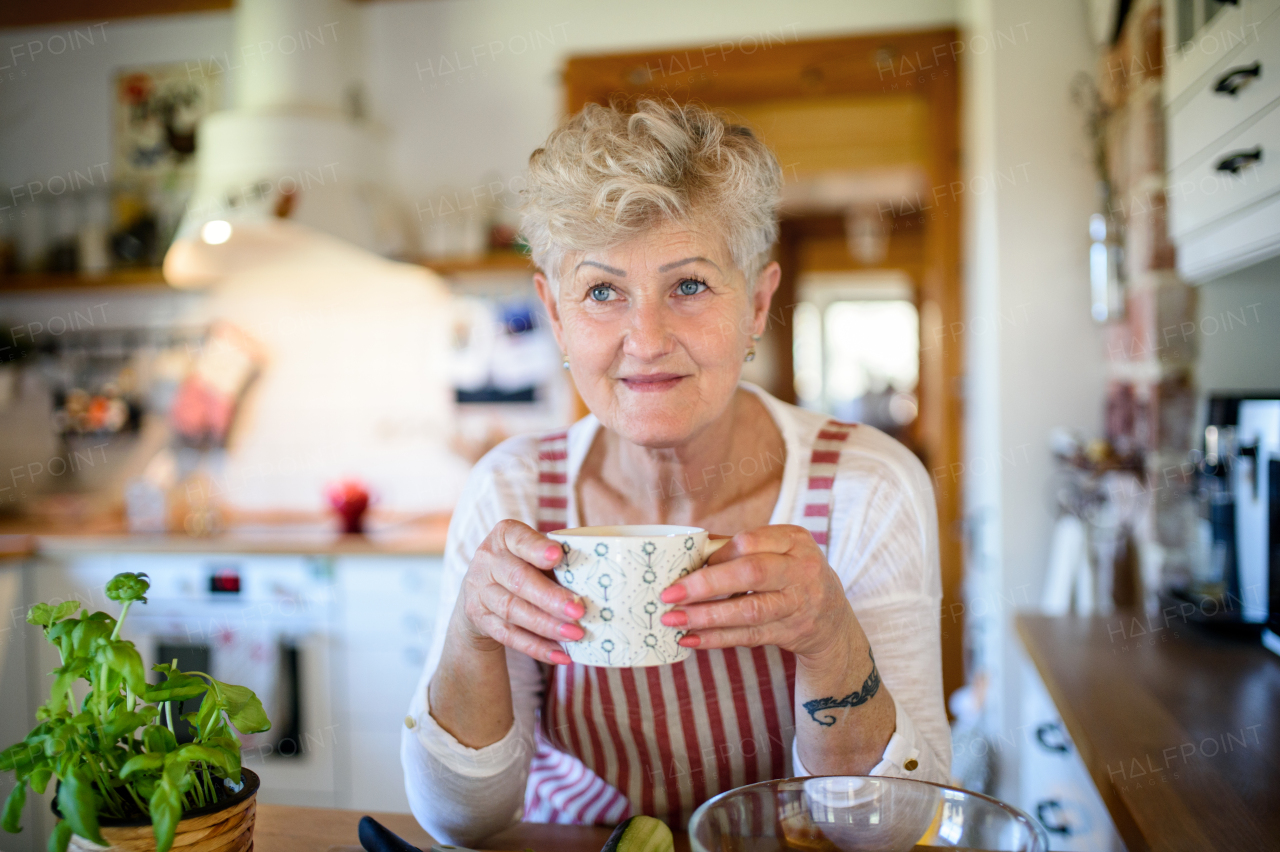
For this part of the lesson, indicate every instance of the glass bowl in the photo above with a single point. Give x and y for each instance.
(859, 814)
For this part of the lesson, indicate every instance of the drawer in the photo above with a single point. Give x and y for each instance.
(1215, 43)
(1199, 193)
(1210, 113)
(1231, 243)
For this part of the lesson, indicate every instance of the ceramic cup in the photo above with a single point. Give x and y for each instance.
(619, 572)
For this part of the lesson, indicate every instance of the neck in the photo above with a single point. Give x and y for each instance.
(735, 454)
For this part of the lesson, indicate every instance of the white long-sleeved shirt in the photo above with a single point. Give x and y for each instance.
(883, 546)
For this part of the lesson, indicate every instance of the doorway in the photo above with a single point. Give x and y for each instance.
(866, 130)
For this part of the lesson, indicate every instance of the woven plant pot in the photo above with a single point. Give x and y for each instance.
(224, 827)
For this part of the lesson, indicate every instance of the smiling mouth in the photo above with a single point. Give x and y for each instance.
(653, 383)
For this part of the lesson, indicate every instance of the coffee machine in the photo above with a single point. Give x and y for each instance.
(1242, 454)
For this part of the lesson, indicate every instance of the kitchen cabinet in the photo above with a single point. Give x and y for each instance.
(1222, 100)
(1053, 783)
(388, 609)
(1174, 724)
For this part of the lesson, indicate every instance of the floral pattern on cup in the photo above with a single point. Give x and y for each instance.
(620, 573)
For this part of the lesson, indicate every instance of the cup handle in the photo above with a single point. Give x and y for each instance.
(713, 545)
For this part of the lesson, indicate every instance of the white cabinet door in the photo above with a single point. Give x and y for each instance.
(1236, 90)
(16, 637)
(1054, 786)
(388, 607)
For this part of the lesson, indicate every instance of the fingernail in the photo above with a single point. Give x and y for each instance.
(553, 553)
(560, 658)
(675, 618)
(572, 632)
(675, 594)
(574, 609)
(690, 640)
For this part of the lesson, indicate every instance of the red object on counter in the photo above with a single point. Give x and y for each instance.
(350, 499)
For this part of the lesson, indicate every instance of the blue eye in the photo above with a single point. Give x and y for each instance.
(690, 287)
(602, 293)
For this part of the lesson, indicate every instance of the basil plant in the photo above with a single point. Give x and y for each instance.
(115, 753)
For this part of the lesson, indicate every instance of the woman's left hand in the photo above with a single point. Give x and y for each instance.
(797, 601)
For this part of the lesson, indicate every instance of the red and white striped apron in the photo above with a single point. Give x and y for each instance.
(661, 740)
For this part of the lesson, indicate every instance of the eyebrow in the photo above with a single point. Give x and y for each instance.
(667, 266)
(609, 269)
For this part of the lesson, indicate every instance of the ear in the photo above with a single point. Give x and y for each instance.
(766, 285)
(547, 294)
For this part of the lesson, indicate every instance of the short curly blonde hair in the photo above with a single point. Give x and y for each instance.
(609, 173)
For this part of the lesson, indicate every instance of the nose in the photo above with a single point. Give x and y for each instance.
(649, 334)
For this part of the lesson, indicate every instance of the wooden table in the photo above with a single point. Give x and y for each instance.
(287, 829)
(1179, 728)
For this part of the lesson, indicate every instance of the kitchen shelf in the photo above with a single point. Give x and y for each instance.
(41, 282)
(494, 261)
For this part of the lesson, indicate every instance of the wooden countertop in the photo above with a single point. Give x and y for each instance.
(274, 533)
(290, 829)
(1179, 728)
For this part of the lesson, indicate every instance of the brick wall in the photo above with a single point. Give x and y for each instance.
(1151, 397)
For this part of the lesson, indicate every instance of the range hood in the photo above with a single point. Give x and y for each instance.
(296, 143)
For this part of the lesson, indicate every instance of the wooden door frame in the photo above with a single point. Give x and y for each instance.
(923, 64)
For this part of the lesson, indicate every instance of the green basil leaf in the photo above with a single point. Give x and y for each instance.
(215, 757)
(20, 754)
(85, 632)
(128, 587)
(60, 635)
(64, 610)
(122, 724)
(159, 738)
(207, 715)
(166, 811)
(11, 819)
(179, 687)
(39, 779)
(243, 708)
(149, 762)
(66, 675)
(40, 614)
(79, 805)
(61, 837)
(124, 657)
(230, 747)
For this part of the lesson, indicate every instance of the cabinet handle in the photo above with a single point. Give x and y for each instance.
(1237, 78)
(1234, 163)
(1048, 728)
(1044, 813)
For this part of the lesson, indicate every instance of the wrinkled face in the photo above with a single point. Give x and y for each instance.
(656, 330)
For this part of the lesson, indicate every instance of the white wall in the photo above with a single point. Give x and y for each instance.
(55, 102)
(456, 126)
(1036, 360)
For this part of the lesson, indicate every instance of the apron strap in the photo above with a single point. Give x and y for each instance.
(815, 506)
(553, 482)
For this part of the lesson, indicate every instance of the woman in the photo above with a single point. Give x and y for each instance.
(652, 231)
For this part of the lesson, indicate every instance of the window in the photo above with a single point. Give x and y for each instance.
(857, 350)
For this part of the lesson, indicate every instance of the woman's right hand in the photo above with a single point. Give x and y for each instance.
(508, 599)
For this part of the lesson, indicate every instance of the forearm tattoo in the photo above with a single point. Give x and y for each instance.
(870, 687)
